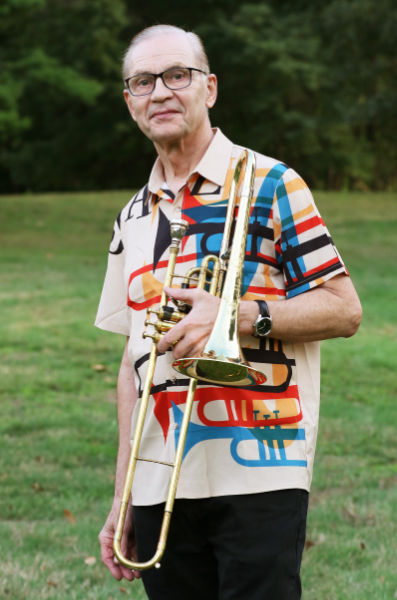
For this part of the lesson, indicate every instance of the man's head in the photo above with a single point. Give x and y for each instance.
(150, 32)
(163, 113)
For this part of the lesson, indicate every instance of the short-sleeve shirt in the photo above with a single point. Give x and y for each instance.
(240, 440)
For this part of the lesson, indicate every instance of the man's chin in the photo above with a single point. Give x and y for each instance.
(166, 135)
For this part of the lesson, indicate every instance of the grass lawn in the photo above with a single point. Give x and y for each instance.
(58, 426)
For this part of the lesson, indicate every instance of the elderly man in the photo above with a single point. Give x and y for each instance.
(239, 519)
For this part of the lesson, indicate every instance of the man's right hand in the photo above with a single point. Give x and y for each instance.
(128, 545)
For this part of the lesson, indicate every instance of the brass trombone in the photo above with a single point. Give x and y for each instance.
(222, 361)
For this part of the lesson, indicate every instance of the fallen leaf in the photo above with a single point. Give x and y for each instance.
(37, 487)
(362, 545)
(90, 560)
(123, 590)
(350, 513)
(321, 538)
(51, 583)
(98, 367)
(309, 544)
(69, 516)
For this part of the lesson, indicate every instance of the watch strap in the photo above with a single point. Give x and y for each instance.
(263, 308)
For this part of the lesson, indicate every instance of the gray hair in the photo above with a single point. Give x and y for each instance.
(149, 32)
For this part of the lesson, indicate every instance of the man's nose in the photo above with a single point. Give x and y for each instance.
(160, 90)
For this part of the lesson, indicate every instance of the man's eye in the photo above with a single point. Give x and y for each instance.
(143, 82)
(177, 75)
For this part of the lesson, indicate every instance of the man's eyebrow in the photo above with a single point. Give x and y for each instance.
(142, 73)
(173, 66)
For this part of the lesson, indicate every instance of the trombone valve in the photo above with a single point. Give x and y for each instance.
(167, 313)
(154, 336)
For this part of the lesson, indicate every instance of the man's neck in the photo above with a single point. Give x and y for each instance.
(180, 158)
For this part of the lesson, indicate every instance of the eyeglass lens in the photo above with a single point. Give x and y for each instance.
(175, 79)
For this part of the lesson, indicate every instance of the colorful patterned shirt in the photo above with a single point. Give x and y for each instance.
(240, 440)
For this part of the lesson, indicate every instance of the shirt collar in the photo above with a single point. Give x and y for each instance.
(213, 165)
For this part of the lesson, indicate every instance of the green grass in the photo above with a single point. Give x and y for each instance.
(58, 426)
(352, 526)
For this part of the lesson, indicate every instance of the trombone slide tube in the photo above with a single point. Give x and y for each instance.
(178, 229)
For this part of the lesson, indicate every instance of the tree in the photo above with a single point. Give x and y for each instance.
(269, 79)
(359, 100)
(310, 83)
(57, 90)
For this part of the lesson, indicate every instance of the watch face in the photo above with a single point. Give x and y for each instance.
(263, 326)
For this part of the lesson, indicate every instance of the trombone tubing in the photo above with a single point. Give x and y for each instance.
(141, 417)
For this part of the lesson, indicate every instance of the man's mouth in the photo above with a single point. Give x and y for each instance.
(164, 114)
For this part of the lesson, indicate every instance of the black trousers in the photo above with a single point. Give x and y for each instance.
(245, 547)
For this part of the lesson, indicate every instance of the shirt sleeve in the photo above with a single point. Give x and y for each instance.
(113, 312)
(304, 248)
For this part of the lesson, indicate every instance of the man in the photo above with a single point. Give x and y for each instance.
(239, 520)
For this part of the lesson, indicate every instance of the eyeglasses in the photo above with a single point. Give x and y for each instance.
(175, 78)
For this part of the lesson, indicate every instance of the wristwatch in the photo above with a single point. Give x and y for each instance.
(263, 324)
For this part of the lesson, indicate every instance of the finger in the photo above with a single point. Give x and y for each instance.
(134, 555)
(174, 292)
(128, 548)
(186, 348)
(186, 294)
(117, 570)
(178, 350)
(124, 571)
(128, 574)
(171, 338)
(131, 574)
(107, 558)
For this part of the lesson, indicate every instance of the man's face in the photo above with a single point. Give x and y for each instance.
(167, 116)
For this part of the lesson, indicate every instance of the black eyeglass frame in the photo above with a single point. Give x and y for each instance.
(161, 75)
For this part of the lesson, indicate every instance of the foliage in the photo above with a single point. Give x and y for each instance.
(313, 84)
(268, 105)
(362, 90)
(58, 432)
(60, 90)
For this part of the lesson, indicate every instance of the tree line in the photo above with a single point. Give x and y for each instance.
(311, 83)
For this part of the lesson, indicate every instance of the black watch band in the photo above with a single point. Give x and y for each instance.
(263, 323)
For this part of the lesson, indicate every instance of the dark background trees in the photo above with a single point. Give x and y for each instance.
(311, 83)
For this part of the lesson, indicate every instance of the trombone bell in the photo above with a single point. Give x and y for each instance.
(222, 361)
(219, 371)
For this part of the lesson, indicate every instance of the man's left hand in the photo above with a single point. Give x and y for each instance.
(189, 336)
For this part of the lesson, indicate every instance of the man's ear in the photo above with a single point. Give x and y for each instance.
(212, 90)
(128, 100)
